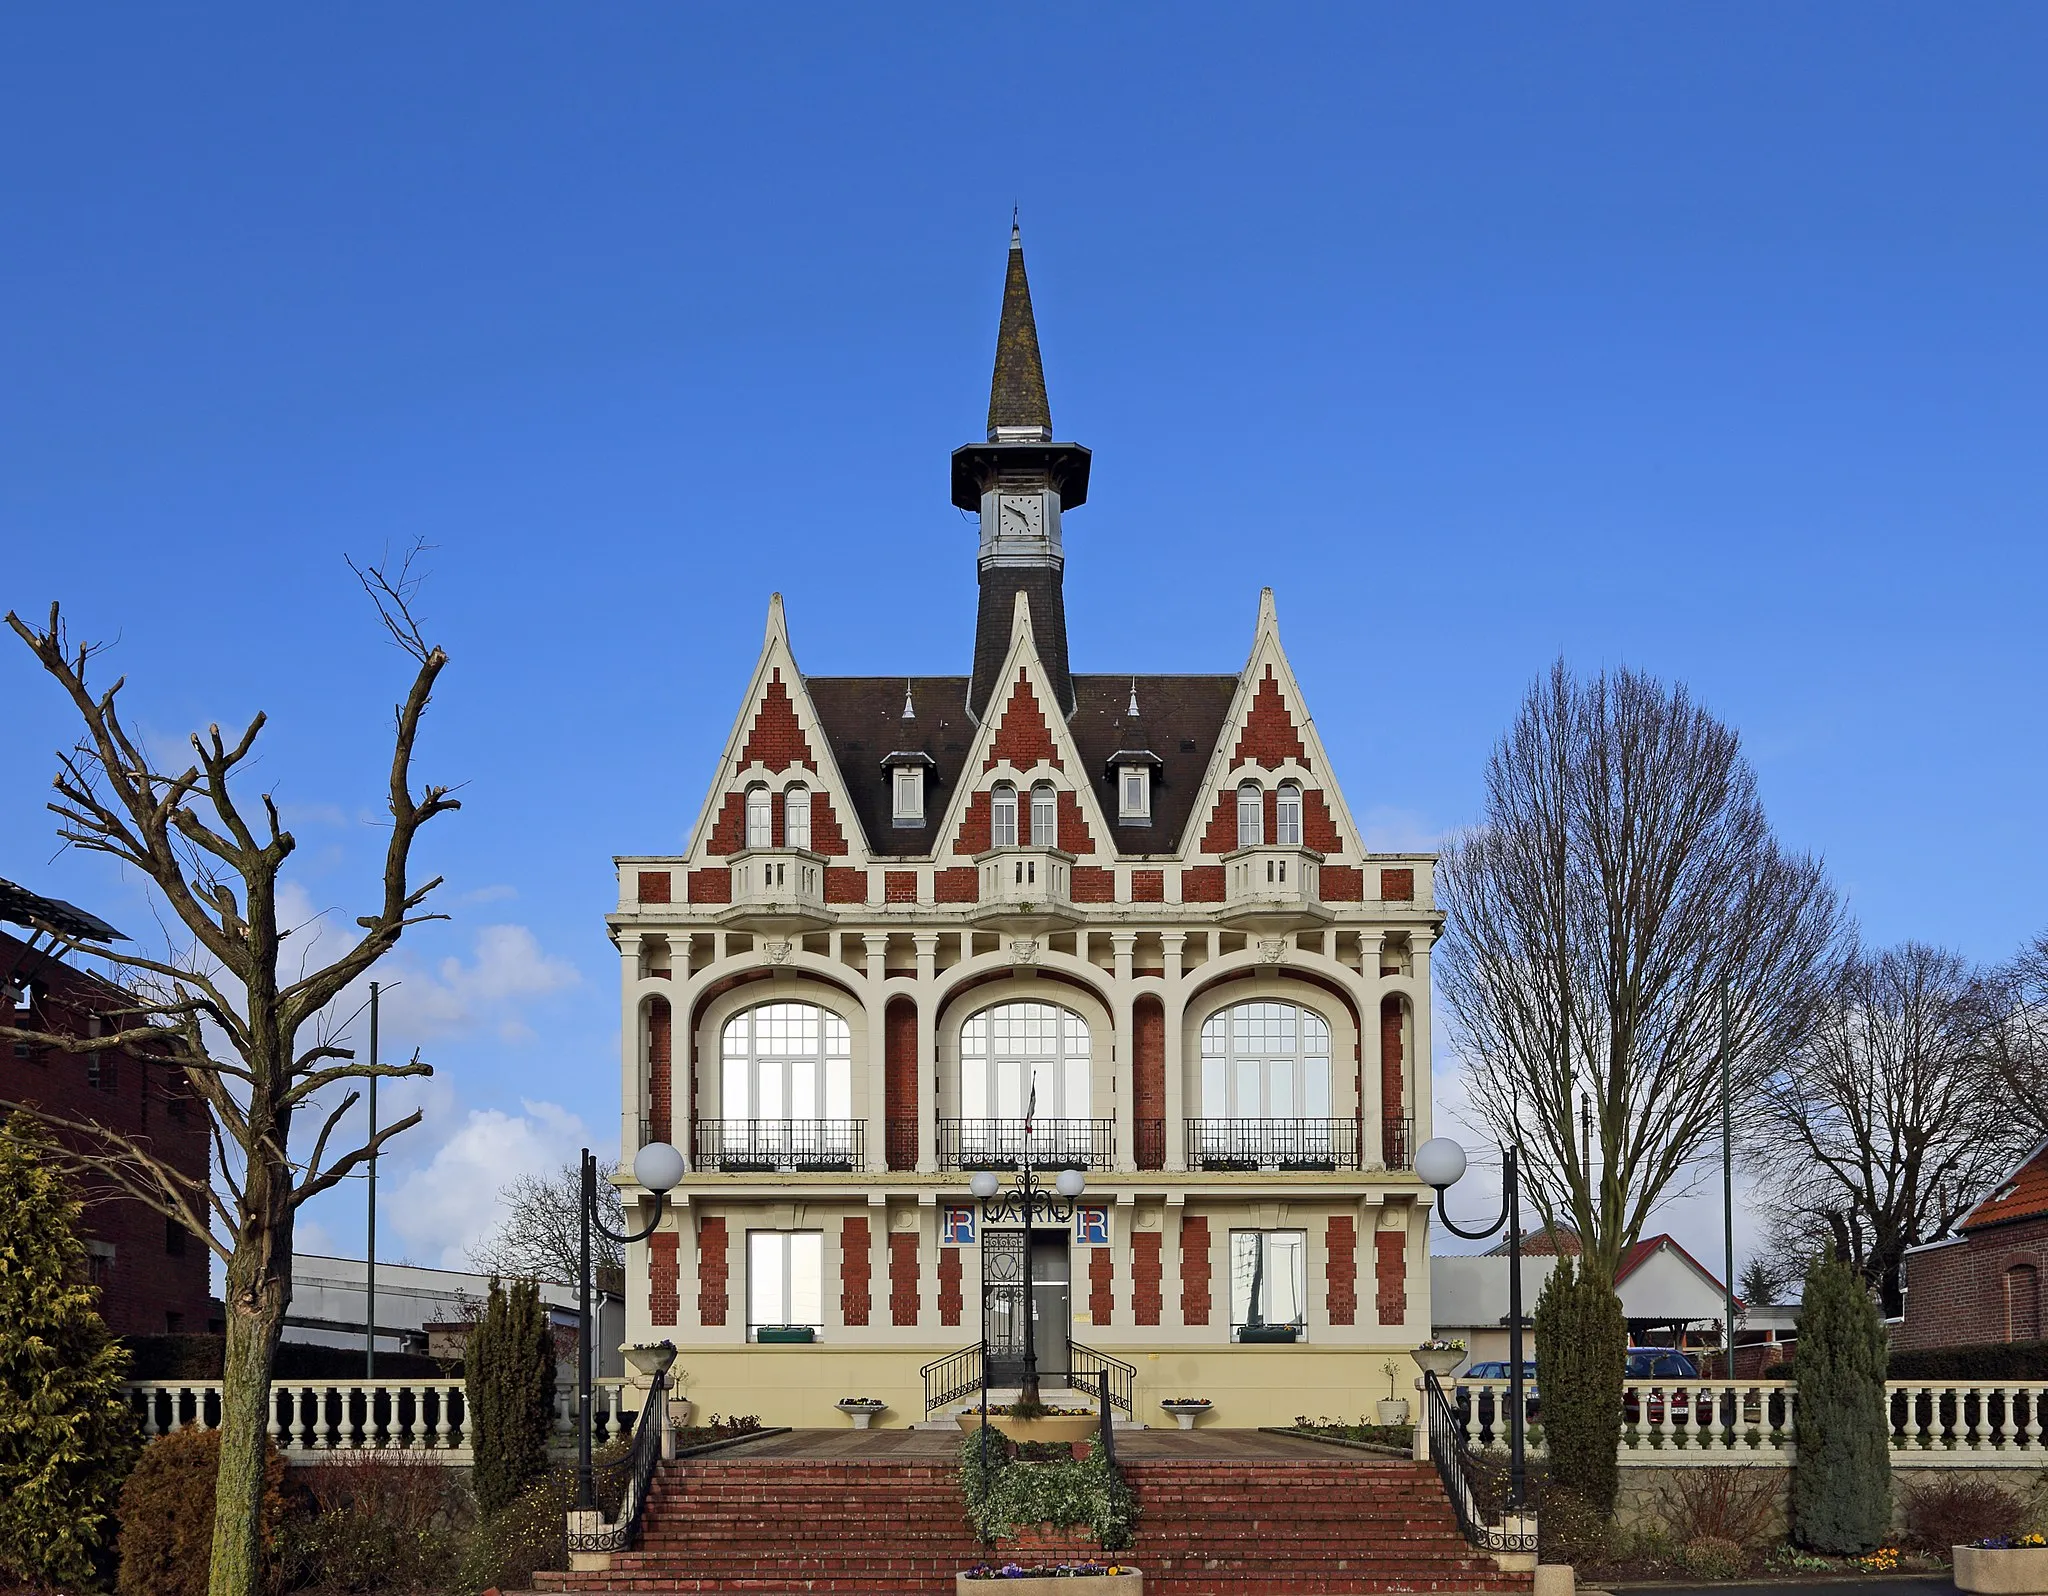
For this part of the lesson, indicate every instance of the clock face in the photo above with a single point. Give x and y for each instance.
(1023, 517)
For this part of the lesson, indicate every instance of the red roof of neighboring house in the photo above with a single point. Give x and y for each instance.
(1642, 1252)
(2021, 1195)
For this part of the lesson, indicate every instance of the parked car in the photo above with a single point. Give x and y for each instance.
(1487, 1398)
(1661, 1363)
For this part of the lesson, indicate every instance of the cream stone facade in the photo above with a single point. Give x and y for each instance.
(906, 906)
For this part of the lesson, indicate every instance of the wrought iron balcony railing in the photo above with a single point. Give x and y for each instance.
(780, 1146)
(1282, 1144)
(1397, 1143)
(1002, 1144)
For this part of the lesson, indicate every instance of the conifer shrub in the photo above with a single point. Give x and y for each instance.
(1841, 1477)
(511, 1389)
(66, 1436)
(166, 1539)
(1582, 1350)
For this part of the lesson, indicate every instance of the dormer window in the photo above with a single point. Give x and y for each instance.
(908, 808)
(1002, 816)
(1134, 793)
(1287, 816)
(1045, 824)
(1251, 815)
(760, 818)
(796, 817)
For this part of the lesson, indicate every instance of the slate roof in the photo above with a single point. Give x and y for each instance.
(2021, 1195)
(1181, 718)
(1017, 388)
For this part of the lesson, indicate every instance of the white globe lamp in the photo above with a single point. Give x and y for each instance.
(1070, 1183)
(658, 1167)
(1440, 1162)
(983, 1183)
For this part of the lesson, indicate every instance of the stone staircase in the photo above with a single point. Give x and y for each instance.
(777, 1527)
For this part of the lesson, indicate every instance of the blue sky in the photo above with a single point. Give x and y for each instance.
(1708, 341)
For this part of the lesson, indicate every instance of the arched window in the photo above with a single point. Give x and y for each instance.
(786, 1061)
(1045, 824)
(1251, 815)
(1287, 816)
(760, 818)
(1007, 1050)
(1266, 1061)
(796, 817)
(1002, 813)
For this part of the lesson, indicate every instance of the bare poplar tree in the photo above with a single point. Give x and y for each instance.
(1874, 1131)
(1622, 875)
(254, 1042)
(541, 1236)
(2016, 1040)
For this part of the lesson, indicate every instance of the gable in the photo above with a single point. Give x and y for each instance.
(1269, 737)
(775, 740)
(1022, 736)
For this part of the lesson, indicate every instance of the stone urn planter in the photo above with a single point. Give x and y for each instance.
(681, 1411)
(1186, 1410)
(1438, 1361)
(861, 1410)
(1125, 1582)
(2002, 1570)
(1391, 1410)
(1079, 1427)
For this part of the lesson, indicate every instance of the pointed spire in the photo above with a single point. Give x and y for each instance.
(1132, 709)
(1017, 408)
(909, 710)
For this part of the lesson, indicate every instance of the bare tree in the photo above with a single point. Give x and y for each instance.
(1623, 874)
(1875, 1131)
(255, 1044)
(2016, 1039)
(541, 1237)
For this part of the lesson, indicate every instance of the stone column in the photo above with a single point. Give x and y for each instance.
(876, 1002)
(633, 1104)
(1174, 1000)
(1124, 1076)
(1372, 1122)
(1421, 1055)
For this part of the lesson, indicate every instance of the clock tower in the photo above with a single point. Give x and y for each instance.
(1019, 482)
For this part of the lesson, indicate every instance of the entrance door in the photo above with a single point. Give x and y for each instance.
(1004, 1293)
(1051, 1301)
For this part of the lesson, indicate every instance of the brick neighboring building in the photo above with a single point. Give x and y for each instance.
(1983, 1284)
(152, 1274)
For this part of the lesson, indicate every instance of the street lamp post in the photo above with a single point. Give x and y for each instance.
(657, 1167)
(1441, 1164)
(1029, 1203)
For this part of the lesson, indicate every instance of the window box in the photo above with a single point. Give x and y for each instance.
(773, 1334)
(1268, 1332)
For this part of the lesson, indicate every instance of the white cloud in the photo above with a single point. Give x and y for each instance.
(443, 1210)
(1389, 829)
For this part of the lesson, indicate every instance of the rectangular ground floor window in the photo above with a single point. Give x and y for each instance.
(785, 1280)
(1268, 1284)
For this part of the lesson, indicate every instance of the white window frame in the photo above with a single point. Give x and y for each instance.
(907, 789)
(1005, 1047)
(786, 1275)
(1045, 816)
(1251, 814)
(1134, 792)
(1282, 1278)
(760, 817)
(796, 817)
(1287, 815)
(1002, 815)
(782, 1061)
(1266, 1060)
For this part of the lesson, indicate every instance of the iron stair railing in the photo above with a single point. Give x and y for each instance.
(632, 1478)
(1462, 1475)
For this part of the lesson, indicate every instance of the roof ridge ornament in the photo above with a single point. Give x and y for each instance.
(1131, 709)
(909, 709)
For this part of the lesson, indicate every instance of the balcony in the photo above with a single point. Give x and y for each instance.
(777, 889)
(1271, 888)
(1025, 890)
(780, 1146)
(1251, 1145)
(1001, 1143)
(1397, 1143)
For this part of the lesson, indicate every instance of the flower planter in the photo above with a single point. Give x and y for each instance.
(2002, 1570)
(1185, 1413)
(1080, 1427)
(1391, 1410)
(681, 1410)
(1439, 1362)
(1252, 1333)
(770, 1334)
(862, 1413)
(1131, 1582)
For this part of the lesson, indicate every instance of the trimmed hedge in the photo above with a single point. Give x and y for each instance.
(2017, 1360)
(200, 1357)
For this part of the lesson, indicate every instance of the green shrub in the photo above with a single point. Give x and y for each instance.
(1569, 1529)
(511, 1387)
(392, 1524)
(66, 1437)
(166, 1541)
(1714, 1557)
(1582, 1349)
(2012, 1360)
(1953, 1512)
(1841, 1480)
(531, 1532)
(1004, 1495)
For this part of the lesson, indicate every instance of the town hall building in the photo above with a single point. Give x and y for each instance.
(1116, 923)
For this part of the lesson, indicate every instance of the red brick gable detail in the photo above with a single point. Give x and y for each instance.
(961, 884)
(1093, 885)
(1390, 1259)
(855, 1269)
(1101, 1285)
(1148, 886)
(652, 887)
(845, 886)
(1202, 884)
(903, 1295)
(950, 1300)
(1194, 1269)
(663, 1272)
(729, 830)
(1269, 737)
(713, 885)
(775, 739)
(1145, 1298)
(1022, 737)
(975, 827)
(1397, 886)
(660, 1057)
(826, 837)
(1075, 837)
(1318, 830)
(899, 886)
(1221, 837)
(711, 1271)
(1341, 884)
(1342, 1245)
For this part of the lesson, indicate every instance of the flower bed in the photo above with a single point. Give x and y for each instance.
(1105, 1579)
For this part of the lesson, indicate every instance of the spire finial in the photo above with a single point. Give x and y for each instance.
(909, 710)
(1132, 708)
(1017, 408)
